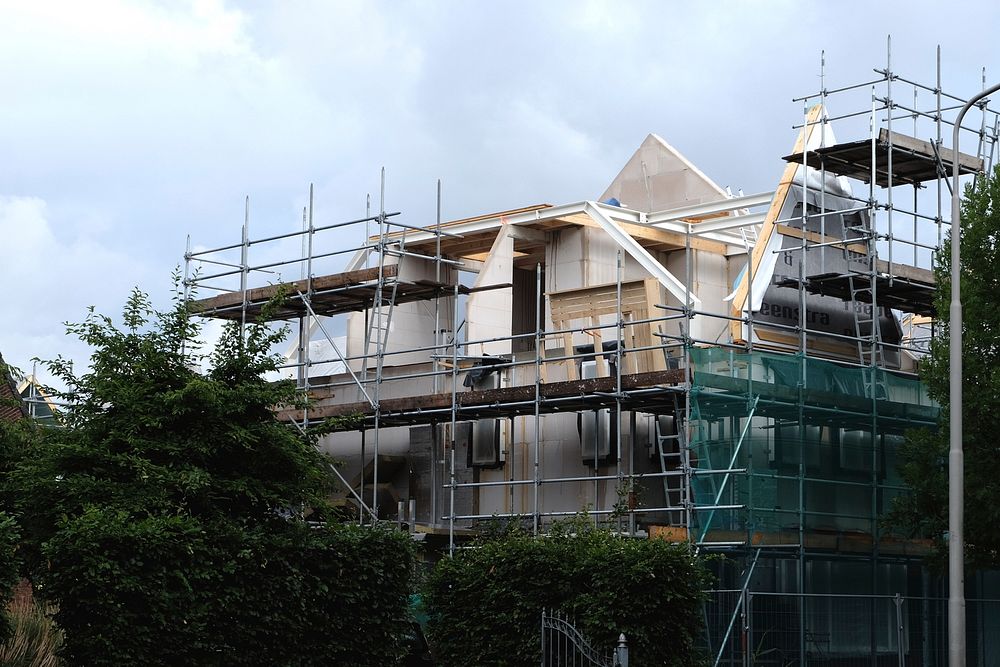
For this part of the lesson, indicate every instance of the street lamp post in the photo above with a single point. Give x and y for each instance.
(956, 458)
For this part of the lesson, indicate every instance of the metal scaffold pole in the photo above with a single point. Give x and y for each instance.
(305, 323)
(379, 349)
(622, 492)
(244, 265)
(539, 342)
(454, 424)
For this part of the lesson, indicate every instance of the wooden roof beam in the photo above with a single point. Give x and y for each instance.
(675, 240)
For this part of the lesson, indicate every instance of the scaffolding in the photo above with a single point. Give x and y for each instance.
(764, 425)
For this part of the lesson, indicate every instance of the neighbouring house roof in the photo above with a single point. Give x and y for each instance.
(37, 402)
(11, 405)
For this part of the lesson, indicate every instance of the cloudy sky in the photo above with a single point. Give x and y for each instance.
(126, 126)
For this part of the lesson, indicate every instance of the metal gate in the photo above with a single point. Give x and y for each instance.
(564, 646)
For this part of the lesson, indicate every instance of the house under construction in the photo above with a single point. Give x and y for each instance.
(734, 371)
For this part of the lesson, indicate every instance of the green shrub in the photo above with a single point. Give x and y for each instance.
(485, 604)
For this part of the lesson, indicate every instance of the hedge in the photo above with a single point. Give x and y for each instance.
(485, 603)
(168, 590)
(8, 570)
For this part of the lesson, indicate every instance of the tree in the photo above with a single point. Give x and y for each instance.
(166, 519)
(923, 510)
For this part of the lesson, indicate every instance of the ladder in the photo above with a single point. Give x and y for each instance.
(985, 148)
(383, 303)
(867, 334)
(675, 462)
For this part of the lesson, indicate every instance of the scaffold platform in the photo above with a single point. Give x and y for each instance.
(898, 160)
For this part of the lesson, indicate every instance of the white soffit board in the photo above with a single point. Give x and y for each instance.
(640, 254)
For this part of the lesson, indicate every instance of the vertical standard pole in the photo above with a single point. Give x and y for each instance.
(305, 324)
(619, 338)
(888, 191)
(940, 143)
(956, 457)
(33, 391)
(805, 224)
(454, 423)
(379, 348)
(688, 374)
(186, 285)
(916, 190)
(436, 367)
(311, 230)
(369, 313)
(744, 640)
(364, 362)
(437, 299)
(749, 301)
(538, 392)
(802, 384)
(822, 180)
(303, 343)
(981, 149)
(244, 264)
(899, 630)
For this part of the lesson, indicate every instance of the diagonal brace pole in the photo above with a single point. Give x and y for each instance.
(335, 348)
(732, 462)
(340, 477)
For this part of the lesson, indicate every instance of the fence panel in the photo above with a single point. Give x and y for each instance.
(786, 629)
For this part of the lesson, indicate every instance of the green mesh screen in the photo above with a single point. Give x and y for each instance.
(814, 444)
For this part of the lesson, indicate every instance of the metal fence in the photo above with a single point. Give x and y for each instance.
(782, 629)
(564, 646)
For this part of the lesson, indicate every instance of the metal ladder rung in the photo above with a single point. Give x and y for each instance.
(675, 484)
(870, 351)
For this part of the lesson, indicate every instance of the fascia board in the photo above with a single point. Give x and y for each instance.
(698, 210)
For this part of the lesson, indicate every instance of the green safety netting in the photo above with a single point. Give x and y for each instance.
(781, 442)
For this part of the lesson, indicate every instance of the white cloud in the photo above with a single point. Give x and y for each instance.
(127, 125)
(185, 32)
(52, 278)
(155, 107)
